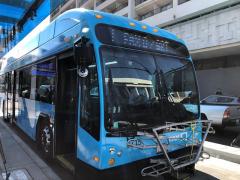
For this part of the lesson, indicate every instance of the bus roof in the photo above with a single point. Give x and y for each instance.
(49, 30)
(121, 21)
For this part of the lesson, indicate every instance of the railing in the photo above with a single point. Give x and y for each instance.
(155, 11)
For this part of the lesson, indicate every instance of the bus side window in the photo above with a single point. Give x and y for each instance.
(25, 83)
(2, 84)
(44, 74)
(90, 113)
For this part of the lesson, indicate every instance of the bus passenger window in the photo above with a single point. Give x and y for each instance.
(90, 103)
(25, 83)
(2, 84)
(44, 75)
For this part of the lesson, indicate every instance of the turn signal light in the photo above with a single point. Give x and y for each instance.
(132, 24)
(95, 158)
(98, 16)
(111, 162)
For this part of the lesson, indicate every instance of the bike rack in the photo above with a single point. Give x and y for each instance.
(169, 164)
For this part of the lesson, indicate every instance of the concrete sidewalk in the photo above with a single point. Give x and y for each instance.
(219, 169)
(222, 152)
(21, 160)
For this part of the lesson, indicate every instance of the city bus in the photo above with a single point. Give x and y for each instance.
(107, 96)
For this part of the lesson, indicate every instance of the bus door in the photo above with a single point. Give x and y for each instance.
(15, 95)
(66, 108)
(9, 96)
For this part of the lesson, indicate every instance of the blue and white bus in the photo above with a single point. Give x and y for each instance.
(108, 96)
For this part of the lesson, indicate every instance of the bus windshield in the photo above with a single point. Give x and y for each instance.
(145, 89)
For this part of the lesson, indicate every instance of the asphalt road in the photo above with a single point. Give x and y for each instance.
(224, 136)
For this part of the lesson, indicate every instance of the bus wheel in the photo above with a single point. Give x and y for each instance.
(45, 139)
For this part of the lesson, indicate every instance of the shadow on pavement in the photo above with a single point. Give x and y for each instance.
(201, 175)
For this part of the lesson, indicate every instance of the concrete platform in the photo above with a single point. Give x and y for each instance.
(223, 152)
(218, 169)
(21, 159)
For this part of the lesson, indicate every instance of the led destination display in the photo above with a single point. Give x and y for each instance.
(133, 39)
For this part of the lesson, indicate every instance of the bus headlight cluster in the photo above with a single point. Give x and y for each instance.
(112, 150)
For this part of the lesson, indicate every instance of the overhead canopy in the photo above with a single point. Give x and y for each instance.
(11, 11)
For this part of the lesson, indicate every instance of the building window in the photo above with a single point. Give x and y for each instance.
(156, 11)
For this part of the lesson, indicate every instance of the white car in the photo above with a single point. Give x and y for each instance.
(222, 110)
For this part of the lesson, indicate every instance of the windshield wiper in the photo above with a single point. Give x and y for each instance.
(122, 133)
(130, 130)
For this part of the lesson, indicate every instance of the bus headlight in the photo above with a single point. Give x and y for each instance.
(85, 30)
(112, 150)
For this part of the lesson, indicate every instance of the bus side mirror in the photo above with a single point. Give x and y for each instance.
(83, 55)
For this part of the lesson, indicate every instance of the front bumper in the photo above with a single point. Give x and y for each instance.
(130, 171)
(231, 122)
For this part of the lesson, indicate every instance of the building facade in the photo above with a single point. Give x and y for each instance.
(210, 28)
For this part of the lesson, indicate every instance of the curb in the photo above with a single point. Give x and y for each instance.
(222, 151)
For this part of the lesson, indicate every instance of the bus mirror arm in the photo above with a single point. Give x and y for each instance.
(83, 54)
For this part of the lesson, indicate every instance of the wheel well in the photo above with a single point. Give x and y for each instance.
(203, 116)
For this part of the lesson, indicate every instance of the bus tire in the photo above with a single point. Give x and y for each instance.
(45, 138)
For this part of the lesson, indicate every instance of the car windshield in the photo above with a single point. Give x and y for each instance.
(145, 90)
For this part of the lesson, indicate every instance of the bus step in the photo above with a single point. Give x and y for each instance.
(66, 161)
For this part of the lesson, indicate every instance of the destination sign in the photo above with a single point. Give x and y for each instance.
(135, 39)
